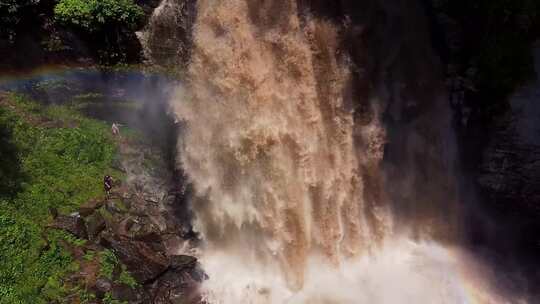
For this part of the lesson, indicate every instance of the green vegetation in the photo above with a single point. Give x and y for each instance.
(108, 299)
(94, 15)
(57, 161)
(126, 278)
(106, 29)
(10, 172)
(108, 263)
(106, 24)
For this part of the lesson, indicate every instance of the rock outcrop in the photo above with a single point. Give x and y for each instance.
(73, 224)
(139, 223)
(166, 38)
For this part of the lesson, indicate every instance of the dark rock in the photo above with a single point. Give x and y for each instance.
(95, 224)
(176, 287)
(142, 261)
(174, 244)
(102, 286)
(117, 164)
(167, 38)
(124, 292)
(142, 229)
(90, 207)
(73, 224)
(115, 207)
(198, 274)
(179, 262)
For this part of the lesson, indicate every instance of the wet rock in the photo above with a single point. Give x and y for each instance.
(95, 224)
(142, 229)
(167, 38)
(174, 244)
(123, 193)
(198, 274)
(90, 207)
(179, 262)
(142, 261)
(115, 206)
(73, 224)
(102, 287)
(118, 165)
(176, 287)
(123, 292)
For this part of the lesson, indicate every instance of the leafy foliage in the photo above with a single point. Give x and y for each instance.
(94, 15)
(108, 263)
(126, 278)
(109, 299)
(106, 24)
(10, 171)
(62, 167)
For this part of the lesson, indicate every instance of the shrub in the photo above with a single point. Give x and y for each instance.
(10, 167)
(93, 15)
(108, 261)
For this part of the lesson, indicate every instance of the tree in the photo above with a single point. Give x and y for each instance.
(108, 25)
(96, 15)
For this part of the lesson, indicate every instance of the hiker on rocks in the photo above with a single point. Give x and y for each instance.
(107, 184)
(115, 128)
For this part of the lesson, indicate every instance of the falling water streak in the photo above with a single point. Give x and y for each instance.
(270, 149)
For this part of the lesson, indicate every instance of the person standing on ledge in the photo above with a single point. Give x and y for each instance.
(115, 128)
(108, 184)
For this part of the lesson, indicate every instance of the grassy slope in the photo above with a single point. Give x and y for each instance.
(57, 159)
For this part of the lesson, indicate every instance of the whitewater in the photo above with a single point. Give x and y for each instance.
(289, 194)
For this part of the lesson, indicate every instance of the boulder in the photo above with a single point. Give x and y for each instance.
(89, 207)
(73, 224)
(180, 262)
(176, 287)
(102, 287)
(115, 207)
(95, 224)
(123, 292)
(142, 261)
(143, 229)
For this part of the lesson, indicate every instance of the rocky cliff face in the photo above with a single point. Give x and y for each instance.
(166, 39)
(511, 167)
(508, 181)
(489, 69)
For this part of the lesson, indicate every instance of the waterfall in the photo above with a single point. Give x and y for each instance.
(289, 193)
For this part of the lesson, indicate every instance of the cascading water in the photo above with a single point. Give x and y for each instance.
(278, 167)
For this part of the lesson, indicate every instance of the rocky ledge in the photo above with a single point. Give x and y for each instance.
(138, 222)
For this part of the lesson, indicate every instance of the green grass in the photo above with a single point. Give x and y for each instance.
(108, 263)
(108, 299)
(55, 167)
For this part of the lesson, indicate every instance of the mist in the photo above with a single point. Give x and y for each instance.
(306, 191)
